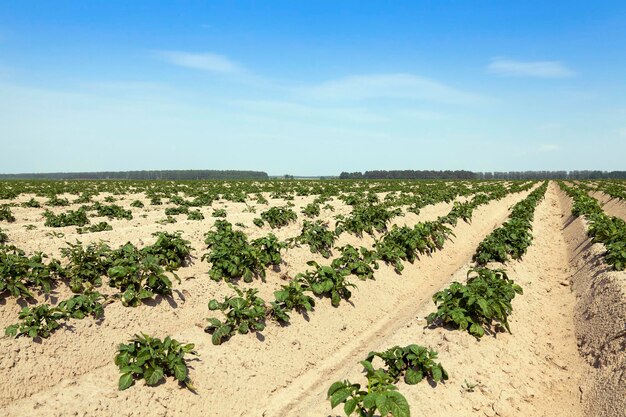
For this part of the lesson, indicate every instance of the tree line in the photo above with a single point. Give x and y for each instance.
(468, 175)
(190, 174)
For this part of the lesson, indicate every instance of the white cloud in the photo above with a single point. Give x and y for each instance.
(202, 61)
(395, 86)
(549, 147)
(538, 69)
(622, 132)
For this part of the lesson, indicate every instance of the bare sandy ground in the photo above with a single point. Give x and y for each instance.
(285, 371)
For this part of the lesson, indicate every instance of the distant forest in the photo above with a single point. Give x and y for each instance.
(145, 175)
(466, 175)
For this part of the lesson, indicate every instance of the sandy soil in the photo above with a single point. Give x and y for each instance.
(535, 371)
(611, 206)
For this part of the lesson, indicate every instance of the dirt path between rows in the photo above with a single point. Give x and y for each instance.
(248, 375)
(535, 371)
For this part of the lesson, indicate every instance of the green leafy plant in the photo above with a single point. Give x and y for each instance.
(360, 262)
(6, 214)
(243, 313)
(32, 203)
(70, 218)
(195, 215)
(82, 305)
(170, 250)
(475, 306)
(414, 362)
(86, 265)
(291, 297)
(381, 395)
(38, 321)
(98, 227)
(327, 281)
(279, 216)
(112, 211)
(151, 359)
(137, 275)
(232, 256)
(311, 210)
(137, 204)
(219, 213)
(318, 237)
(18, 272)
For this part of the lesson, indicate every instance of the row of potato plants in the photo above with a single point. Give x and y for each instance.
(138, 274)
(484, 300)
(474, 306)
(608, 230)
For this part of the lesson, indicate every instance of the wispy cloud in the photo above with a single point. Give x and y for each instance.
(549, 147)
(395, 86)
(539, 69)
(202, 61)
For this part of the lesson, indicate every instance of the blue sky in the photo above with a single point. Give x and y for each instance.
(312, 88)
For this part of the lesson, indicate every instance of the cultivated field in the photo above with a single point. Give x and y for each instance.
(342, 269)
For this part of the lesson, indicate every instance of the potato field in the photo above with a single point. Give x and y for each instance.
(313, 298)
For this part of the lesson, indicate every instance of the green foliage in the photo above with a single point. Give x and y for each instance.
(99, 227)
(366, 218)
(360, 262)
(475, 306)
(232, 256)
(6, 214)
(311, 210)
(70, 218)
(318, 237)
(38, 321)
(219, 213)
(137, 275)
(258, 222)
(327, 281)
(405, 243)
(3, 237)
(151, 359)
(167, 220)
(112, 211)
(243, 312)
(82, 305)
(85, 265)
(381, 395)
(195, 215)
(32, 203)
(55, 201)
(137, 204)
(170, 250)
(18, 272)
(291, 297)
(414, 362)
(279, 216)
(513, 238)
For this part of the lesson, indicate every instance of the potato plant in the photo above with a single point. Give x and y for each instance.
(170, 250)
(318, 237)
(69, 218)
(291, 297)
(6, 214)
(85, 265)
(475, 306)
(382, 395)
(278, 217)
(328, 281)
(137, 275)
(414, 362)
(243, 313)
(152, 359)
(38, 321)
(79, 306)
(360, 262)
